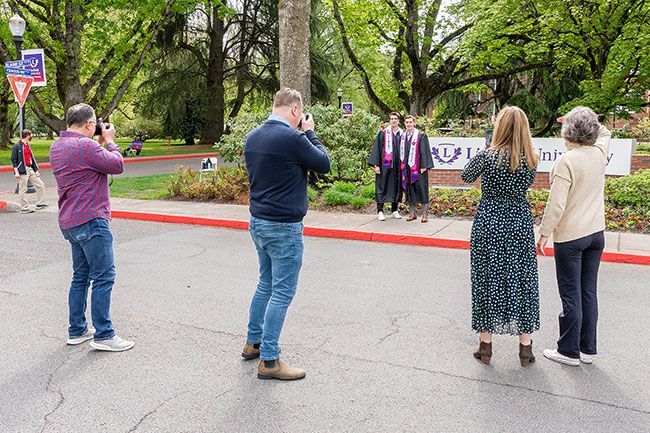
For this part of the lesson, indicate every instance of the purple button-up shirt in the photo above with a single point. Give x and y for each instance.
(80, 166)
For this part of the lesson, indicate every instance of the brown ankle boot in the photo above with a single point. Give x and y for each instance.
(281, 370)
(526, 354)
(251, 351)
(484, 352)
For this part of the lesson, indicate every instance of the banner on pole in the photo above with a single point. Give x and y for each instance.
(20, 85)
(346, 107)
(36, 59)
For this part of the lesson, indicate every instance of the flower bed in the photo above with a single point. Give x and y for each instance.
(627, 204)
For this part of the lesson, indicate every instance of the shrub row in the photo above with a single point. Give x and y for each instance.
(627, 204)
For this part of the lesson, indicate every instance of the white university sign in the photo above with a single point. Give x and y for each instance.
(453, 153)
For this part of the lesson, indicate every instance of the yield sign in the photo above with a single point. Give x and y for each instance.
(20, 85)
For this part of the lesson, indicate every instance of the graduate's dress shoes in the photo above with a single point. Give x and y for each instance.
(411, 217)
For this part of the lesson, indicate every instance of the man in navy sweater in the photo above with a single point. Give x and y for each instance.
(278, 155)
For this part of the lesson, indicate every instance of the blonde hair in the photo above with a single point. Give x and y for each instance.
(287, 97)
(512, 134)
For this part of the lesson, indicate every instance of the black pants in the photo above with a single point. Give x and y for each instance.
(380, 207)
(576, 266)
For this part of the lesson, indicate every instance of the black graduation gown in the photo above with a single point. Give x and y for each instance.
(418, 192)
(388, 184)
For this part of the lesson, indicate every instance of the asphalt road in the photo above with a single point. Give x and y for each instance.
(382, 330)
(8, 182)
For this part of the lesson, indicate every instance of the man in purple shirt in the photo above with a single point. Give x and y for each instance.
(81, 167)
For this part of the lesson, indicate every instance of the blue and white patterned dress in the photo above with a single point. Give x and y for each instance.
(505, 291)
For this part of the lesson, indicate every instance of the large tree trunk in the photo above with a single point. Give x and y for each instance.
(295, 70)
(215, 97)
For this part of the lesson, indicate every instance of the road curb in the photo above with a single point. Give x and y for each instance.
(357, 235)
(9, 168)
(8, 206)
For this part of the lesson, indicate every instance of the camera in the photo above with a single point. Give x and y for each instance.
(300, 123)
(99, 126)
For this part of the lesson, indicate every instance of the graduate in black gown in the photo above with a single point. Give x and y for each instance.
(414, 165)
(384, 158)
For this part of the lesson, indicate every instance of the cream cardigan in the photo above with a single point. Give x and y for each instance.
(575, 207)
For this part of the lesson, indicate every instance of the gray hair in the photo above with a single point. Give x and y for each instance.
(580, 126)
(79, 114)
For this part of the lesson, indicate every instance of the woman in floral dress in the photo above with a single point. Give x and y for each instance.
(505, 294)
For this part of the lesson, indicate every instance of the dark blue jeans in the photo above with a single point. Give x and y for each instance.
(92, 260)
(279, 249)
(576, 266)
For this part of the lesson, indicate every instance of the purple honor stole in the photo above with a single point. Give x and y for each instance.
(414, 157)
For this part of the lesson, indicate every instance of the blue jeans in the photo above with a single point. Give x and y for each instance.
(279, 248)
(576, 267)
(92, 260)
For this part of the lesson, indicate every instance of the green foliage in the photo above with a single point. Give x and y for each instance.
(312, 194)
(349, 193)
(229, 184)
(141, 127)
(643, 148)
(633, 190)
(332, 197)
(345, 187)
(360, 202)
(348, 140)
(368, 191)
(231, 146)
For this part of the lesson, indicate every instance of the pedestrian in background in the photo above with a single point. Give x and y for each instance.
(81, 167)
(384, 158)
(26, 170)
(575, 216)
(505, 293)
(278, 155)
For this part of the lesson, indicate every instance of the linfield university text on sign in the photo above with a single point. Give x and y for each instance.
(453, 153)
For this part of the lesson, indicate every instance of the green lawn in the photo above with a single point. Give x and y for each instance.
(144, 187)
(41, 148)
(643, 148)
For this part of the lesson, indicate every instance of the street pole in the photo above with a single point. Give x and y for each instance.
(17, 28)
(18, 41)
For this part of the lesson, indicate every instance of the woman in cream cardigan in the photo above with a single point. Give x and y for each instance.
(575, 216)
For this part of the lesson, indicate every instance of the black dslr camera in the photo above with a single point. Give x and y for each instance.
(99, 126)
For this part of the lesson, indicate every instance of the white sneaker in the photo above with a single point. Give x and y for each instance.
(586, 358)
(554, 355)
(381, 217)
(397, 216)
(88, 335)
(115, 344)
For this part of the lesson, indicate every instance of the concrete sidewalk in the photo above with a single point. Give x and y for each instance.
(438, 232)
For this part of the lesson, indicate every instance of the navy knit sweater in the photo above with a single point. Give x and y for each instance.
(277, 159)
